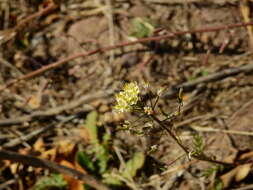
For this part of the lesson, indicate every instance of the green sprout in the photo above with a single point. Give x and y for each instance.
(198, 146)
(141, 28)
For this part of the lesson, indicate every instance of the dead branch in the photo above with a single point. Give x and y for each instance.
(35, 133)
(9, 34)
(124, 44)
(40, 163)
(56, 110)
(211, 77)
(42, 12)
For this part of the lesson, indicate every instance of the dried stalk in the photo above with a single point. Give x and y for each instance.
(124, 44)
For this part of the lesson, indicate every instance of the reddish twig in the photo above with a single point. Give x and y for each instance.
(99, 50)
(9, 34)
(142, 65)
(44, 11)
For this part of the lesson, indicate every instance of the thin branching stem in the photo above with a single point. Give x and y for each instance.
(198, 157)
(162, 125)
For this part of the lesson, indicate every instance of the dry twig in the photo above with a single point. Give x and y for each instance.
(210, 129)
(211, 77)
(36, 162)
(124, 44)
(35, 133)
(56, 110)
(7, 183)
(8, 34)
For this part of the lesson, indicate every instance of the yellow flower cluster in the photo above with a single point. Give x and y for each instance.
(127, 98)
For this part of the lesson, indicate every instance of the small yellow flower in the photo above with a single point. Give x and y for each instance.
(148, 110)
(127, 98)
(153, 148)
(146, 85)
(160, 91)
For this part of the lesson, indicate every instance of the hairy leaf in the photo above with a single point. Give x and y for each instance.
(55, 181)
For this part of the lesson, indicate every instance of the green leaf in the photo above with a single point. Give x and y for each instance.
(55, 181)
(106, 138)
(218, 184)
(133, 165)
(204, 72)
(102, 155)
(100, 150)
(91, 126)
(198, 145)
(109, 179)
(84, 160)
(141, 28)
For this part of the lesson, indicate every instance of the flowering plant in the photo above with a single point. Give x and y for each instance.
(128, 98)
